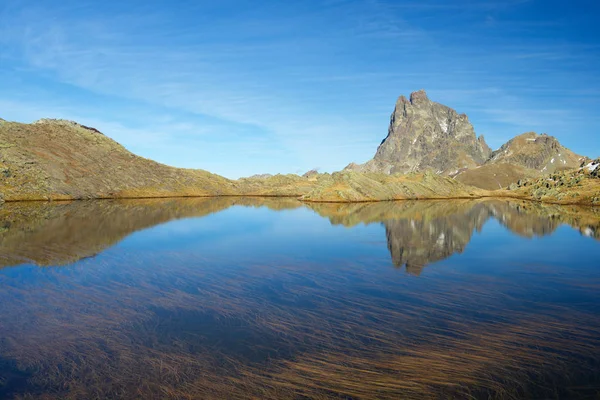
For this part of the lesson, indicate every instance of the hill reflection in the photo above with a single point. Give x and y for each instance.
(418, 232)
(422, 232)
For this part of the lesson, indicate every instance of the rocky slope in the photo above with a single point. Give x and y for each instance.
(58, 159)
(539, 152)
(580, 186)
(525, 156)
(426, 135)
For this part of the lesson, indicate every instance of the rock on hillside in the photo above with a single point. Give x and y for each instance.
(580, 186)
(58, 159)
(427, 135)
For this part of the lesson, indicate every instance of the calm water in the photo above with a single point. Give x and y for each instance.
(259, 298)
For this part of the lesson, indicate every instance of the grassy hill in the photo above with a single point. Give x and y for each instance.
(57, 159)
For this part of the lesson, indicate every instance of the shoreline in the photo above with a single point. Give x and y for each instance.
(299, 198)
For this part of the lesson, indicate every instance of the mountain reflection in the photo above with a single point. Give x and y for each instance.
(422, 232)
(418, 232)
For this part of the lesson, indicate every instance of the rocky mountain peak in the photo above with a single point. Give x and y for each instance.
(419, 97)
(425, 135)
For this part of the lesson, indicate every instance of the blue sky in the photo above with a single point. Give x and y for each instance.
(243, 87)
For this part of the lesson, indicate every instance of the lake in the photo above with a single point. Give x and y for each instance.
(272, 298)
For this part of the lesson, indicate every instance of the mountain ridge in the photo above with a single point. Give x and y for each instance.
(425, 135)
(431, 152)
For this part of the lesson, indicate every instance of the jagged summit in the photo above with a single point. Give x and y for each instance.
(416, 98)
(424, 135)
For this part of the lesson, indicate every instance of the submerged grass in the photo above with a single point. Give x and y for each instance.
(224, 339)
(187, 325)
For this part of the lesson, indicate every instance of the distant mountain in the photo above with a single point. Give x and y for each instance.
(427, 135)
(540, 152)
(525, 156)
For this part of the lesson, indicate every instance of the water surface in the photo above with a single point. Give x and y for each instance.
(270, 298)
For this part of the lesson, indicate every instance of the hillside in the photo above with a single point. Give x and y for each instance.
(580, 186)
(58, 159)
(351, 186)
(525, 156)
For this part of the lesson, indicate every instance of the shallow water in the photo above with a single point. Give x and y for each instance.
(270, 298)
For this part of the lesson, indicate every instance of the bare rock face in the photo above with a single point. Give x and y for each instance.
(427, 135)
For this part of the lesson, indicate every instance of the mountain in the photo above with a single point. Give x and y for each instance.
(525, 156)
(427, 135)
(62, 160)
(539, 152)
(59, 159)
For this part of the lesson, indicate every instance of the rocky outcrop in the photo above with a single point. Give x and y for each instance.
(311, 174)
(260, 176)
(579, 186)
(592, 168)
(427, 135)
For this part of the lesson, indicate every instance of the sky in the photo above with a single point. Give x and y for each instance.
(242, 87)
